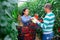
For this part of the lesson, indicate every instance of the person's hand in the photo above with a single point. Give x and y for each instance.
(37, 21)
(34, 20)
(41, 20)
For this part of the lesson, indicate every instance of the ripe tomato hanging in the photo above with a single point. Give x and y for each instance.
(58, 29)
(36, 16)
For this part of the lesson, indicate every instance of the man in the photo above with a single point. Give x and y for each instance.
(48, 23)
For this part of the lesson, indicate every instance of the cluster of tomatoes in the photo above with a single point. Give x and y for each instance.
(28, 32)
(37, 17)
(59, 29)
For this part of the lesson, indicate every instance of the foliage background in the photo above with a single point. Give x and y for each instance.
(8, 19)
(9, 12)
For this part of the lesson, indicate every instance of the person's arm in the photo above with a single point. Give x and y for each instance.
(44, 24)
(46, 21)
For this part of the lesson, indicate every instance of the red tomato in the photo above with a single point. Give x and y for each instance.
(36, 16)
(25, 30)
(59, 29)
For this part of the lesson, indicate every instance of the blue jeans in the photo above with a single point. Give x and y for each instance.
(47, 36)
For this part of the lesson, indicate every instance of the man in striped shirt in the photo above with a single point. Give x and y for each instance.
(48, 23)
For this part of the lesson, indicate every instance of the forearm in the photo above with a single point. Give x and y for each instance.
(40, 24)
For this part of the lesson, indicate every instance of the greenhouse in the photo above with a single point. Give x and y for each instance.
(29, 20)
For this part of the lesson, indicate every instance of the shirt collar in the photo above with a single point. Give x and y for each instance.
(49, 13)
(25, 16)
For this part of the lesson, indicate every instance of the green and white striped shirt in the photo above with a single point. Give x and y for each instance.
(48, 22)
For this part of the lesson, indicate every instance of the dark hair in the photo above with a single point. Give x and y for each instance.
(23, 11)
(48, 5)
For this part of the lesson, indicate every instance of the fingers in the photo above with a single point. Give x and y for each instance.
(34, 20)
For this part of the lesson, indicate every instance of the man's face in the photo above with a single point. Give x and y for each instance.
(45, 9)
